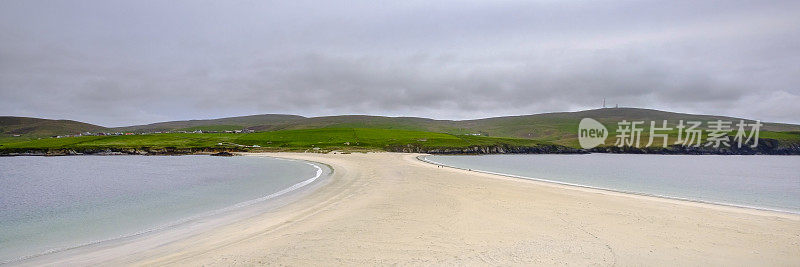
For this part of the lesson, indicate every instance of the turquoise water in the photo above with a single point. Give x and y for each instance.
(766, 182)
(53, 203)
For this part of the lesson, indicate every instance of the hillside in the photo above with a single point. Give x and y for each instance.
(29, 128)
(562, 127)
(559, 127)
(226, 123)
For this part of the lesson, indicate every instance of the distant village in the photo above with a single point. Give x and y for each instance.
(146, 133)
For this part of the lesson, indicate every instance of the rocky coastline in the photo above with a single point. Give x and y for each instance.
(765, 147)
(118, 151)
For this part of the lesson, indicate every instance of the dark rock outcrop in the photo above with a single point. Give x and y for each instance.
(493, 149)
(765, 147)
(115, 151)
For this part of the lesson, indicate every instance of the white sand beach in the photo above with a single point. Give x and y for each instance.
(390, 208)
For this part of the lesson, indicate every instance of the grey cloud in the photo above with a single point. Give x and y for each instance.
(128, 62)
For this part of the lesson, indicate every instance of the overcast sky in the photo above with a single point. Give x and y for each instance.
(117, 63)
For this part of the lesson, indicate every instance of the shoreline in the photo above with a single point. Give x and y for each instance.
(392, 208)
(423, 158)
(220, 217)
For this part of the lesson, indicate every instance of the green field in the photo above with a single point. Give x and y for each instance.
(355, 132)
(323, 139)
(327, 139)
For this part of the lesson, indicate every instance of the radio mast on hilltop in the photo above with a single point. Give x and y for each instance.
(604, 102)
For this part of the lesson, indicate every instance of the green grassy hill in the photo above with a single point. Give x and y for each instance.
(556, 128)
(560, 127)
(32, 128)
(232, 122)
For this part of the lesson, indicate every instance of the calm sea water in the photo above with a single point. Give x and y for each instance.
(52, 203)
(768, 182)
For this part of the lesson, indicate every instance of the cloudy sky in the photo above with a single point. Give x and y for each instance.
(116, 63)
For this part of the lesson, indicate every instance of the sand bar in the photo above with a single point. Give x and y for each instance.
(390, 208)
